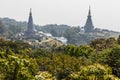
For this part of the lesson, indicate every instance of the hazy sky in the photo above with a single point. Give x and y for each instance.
(105, 13)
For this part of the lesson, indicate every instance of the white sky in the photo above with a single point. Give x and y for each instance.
(105, 13)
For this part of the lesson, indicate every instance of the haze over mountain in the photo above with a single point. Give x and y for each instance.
(105, 13)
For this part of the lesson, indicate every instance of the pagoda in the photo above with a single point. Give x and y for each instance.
(31, 31)
(89, 24)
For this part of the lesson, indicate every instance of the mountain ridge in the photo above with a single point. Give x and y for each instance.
(75, 35)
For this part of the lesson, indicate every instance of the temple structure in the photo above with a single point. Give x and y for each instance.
(31, 31)
(89, 24)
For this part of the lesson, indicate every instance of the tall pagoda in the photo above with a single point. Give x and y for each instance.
(89, 24)
(30, 32)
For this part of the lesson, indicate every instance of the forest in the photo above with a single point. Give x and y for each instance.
(99, 60)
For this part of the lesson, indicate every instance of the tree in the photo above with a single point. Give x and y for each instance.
(98, 44)
(15, 67)
(61, 65)
(113, 60)
(71, 36)
(118, 40)
(110, 57)
(2, 27)
(54, 33)
(93, 72)
(77, 51)
(110, 42)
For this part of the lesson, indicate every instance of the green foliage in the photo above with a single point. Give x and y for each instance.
(93, 72)
(61, 65)
(19, 61)
(15, 67)
(78, 51)
(110, 42)
(71, 36)
(109, 57)
(15, 46)
(98, 44)
(113, 60)
(101, 44)
(118, 40)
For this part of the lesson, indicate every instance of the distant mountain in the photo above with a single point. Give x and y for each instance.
(75, 35)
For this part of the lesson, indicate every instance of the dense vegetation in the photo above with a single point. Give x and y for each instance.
(98, 61)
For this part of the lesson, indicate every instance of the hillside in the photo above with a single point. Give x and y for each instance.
(75, 35)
